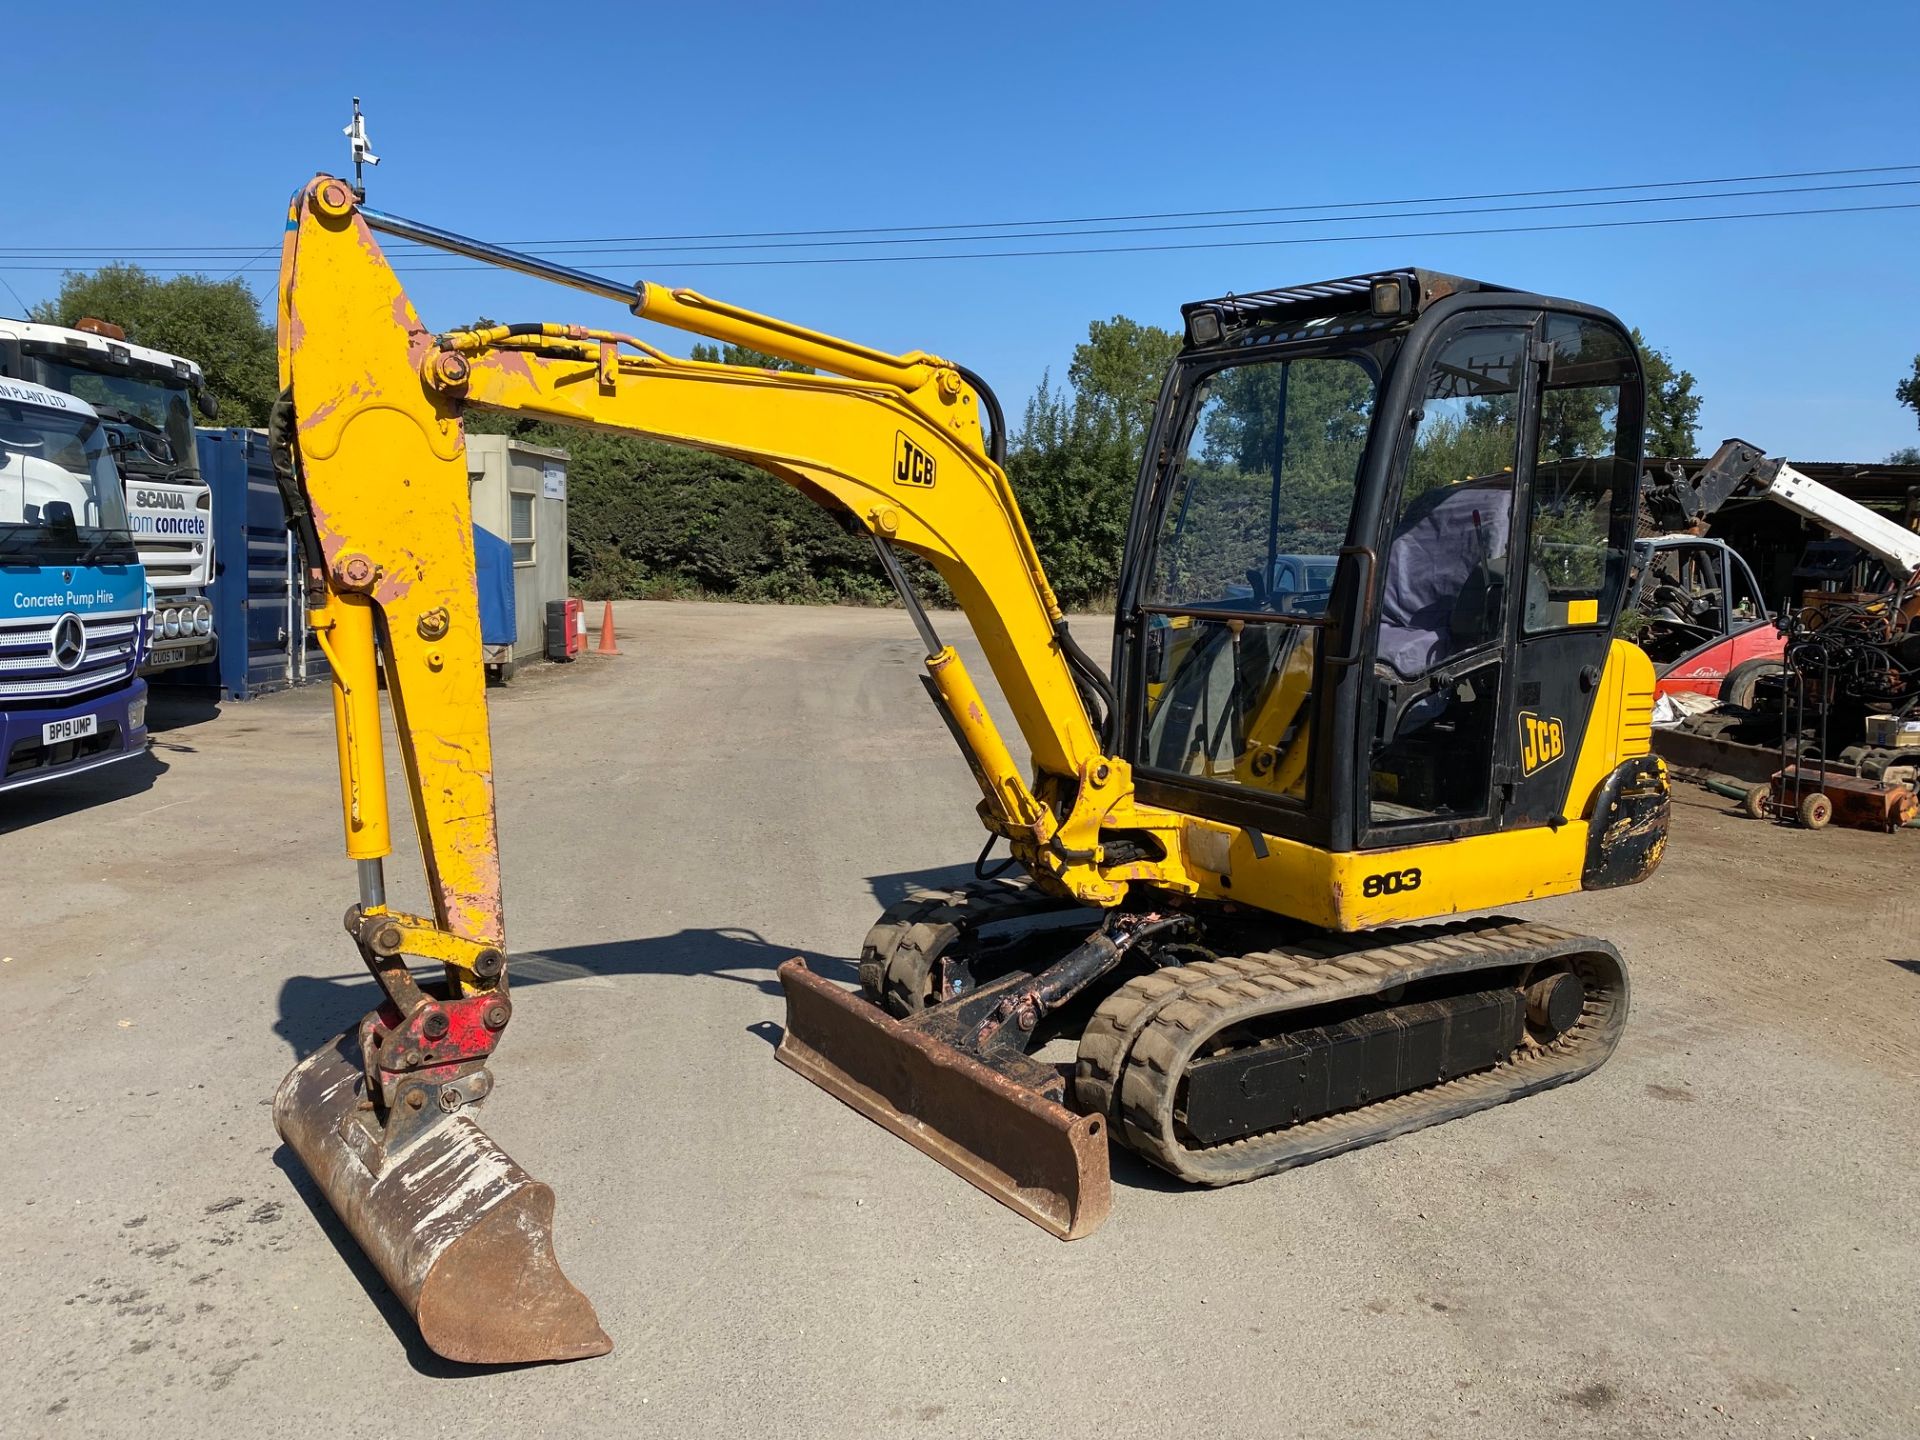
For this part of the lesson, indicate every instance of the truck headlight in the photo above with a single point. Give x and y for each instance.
(203, 621)
(137, 714)
(170, 624)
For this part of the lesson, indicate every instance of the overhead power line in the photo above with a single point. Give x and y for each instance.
(402, 265)
(222, 251)
(476, 267)
(1250, 244)
(1246, 244)
(578, 251)
(1245, 210)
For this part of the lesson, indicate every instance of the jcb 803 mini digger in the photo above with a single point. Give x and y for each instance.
(1364, 675)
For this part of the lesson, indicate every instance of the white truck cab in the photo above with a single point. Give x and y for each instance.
(146, 399)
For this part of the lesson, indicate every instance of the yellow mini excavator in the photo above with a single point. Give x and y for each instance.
(1364, 675)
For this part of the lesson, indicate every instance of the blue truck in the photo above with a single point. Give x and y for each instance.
(146, 399)
(74, 600)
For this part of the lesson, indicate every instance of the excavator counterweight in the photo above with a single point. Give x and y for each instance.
(1364, 677)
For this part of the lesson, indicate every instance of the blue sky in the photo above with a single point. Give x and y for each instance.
(189, 126)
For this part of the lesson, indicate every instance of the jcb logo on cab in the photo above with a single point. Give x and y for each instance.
(1543, 740)
(911, 464)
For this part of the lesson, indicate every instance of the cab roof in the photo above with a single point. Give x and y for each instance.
(86, 341)
(1411, 290)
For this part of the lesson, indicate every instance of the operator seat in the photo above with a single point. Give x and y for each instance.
(1446, 568)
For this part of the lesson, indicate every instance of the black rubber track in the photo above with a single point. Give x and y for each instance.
(1135, 1052)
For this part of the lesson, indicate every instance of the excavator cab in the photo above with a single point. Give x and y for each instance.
(1451, 467)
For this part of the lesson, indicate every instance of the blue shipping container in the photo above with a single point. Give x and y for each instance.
(259, 613)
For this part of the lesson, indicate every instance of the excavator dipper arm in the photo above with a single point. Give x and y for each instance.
(371, 432)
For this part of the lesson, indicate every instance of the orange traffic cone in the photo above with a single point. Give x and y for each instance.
(606, 645)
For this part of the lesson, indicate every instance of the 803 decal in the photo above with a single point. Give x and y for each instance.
(1390, 882)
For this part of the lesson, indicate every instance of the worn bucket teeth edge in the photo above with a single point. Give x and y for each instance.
(461, 1234)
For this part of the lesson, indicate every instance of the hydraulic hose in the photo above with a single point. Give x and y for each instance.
(980, 870)
(996, 417)
(282, 423)
(1090, 677)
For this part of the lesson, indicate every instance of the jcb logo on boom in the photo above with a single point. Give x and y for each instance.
(911, 464)
(1543, 740)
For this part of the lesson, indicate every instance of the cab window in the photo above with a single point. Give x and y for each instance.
(1744, 600)
(1577, 540)
(1243, 570)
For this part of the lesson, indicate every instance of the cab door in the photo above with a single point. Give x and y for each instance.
(1237, 587)
(1502, 558)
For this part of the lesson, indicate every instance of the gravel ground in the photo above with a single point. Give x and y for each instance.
(1713, 1235)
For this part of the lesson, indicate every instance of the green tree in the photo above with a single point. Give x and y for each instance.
(1673, 405)
(666, 522)
(1907, 392)
(1327, 403)
(1905, 455)
(741, 355)
(1116, 373)
(215, 323)
(1074, 480)
(1576, 422)
(1074, 459)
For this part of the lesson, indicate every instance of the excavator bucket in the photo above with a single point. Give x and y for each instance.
(1027, 1150)
(462, 1234)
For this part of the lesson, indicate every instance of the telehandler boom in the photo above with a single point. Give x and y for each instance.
(1364, 675)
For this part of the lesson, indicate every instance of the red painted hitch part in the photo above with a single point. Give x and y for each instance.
(435, 1045)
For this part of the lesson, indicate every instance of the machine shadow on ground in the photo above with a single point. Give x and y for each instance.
(55, 798)
(892, 889)
(314, 1008)
(175, 709)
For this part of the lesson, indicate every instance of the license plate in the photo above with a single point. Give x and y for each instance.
(78, 728)
(167, 657)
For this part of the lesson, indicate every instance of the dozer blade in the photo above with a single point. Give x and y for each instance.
(462, 1234)
(1031, 1153)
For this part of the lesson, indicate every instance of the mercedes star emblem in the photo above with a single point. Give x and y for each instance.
(69, 642)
